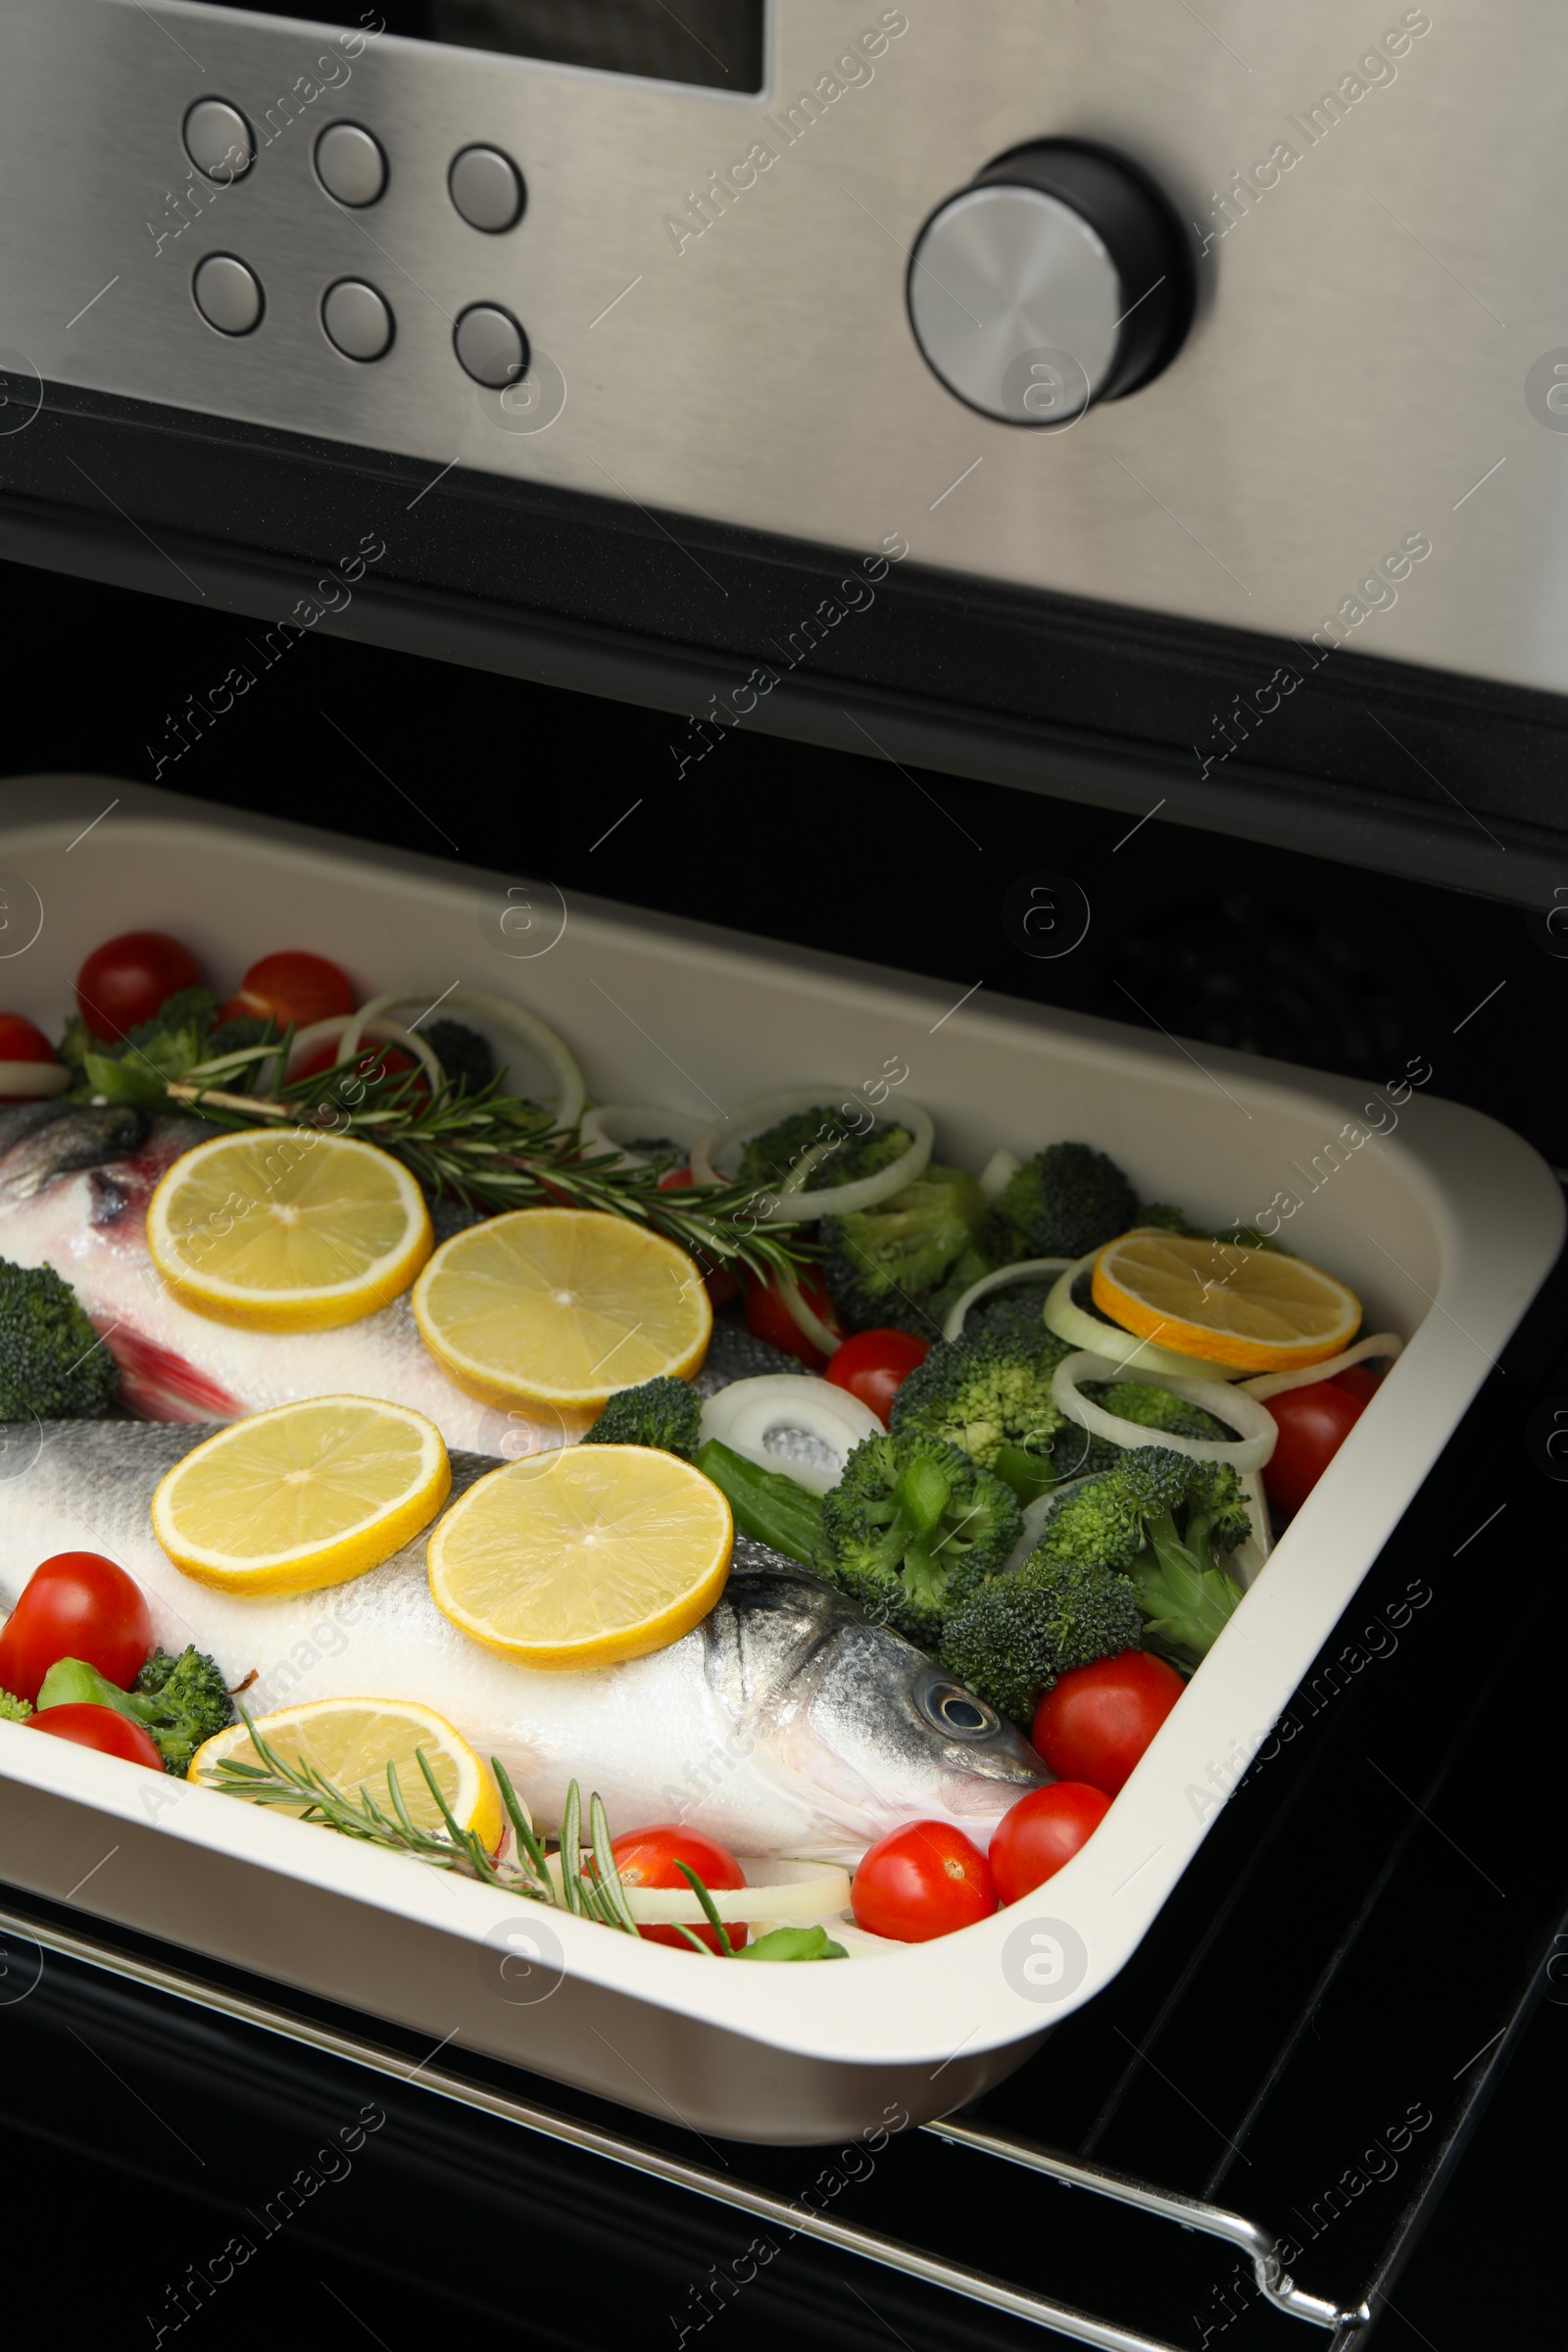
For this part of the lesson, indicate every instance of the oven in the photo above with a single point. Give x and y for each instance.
(1058, 503)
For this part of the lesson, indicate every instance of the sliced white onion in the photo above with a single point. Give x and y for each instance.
(553, 1051)
(380, 1031)
(736, 1128)
(1070, 1322)
(998, 1172)
(1250, 1450)
(614, 1126)
(1027, 1270)
(806, 1321)
(32, 1078)
(1245, 1562)
(746, 1414)
(774, 1890)
(1275, 1384)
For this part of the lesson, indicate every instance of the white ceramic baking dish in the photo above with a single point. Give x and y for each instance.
(1445, 1223)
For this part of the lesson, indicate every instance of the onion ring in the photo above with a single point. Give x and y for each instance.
(1250, 1450)
(1025, 1270)
(335, 1030)
(743, 1415)
(1275, 1384)
(598, 1128)
(817, 1895)
(1070, 1322)
(32, 1078)
(794, 1207)
(529, 1030)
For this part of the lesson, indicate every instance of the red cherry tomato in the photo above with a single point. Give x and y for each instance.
(20, 1042)
(76, 1606)
(1359, 1382)
(875, 1364)
(648, 1858)
(718, 1280)
(126, 979)
(768, 1318)
(291, 985)
(1313, 1424)
(923, 1881)
(1099, 1719)
(101, 1728)
(1041, 1831)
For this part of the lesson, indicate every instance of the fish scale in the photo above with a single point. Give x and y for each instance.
(785, 1724)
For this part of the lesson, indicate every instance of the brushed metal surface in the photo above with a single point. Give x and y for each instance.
(356, 319)
(350, 164)
(1001, 274)
(721, 282)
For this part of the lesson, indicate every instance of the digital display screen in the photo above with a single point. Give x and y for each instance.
(718, 44)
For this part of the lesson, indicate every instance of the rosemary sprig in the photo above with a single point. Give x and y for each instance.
(493, 1151)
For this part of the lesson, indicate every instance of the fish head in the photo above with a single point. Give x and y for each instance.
(867, 1729)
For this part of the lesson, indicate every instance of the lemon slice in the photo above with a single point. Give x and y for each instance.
(351, 1742)
(1251, 1308)
(291, 1232)
(306, 1495)
(560, 1306)
(583, 1558)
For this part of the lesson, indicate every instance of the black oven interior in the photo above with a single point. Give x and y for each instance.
(714, 44)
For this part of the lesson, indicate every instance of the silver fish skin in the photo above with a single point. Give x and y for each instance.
(75, 1183)
(786, 1723)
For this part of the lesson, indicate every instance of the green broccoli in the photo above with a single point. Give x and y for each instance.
(13, 1710)
(664, 1413)
(237, 1037)
(1066, 1200)
(902, 1264)
(154, 1051)
(1014, 1313)
(1164, 1520)
(462, 1053)
(179, 1701)
(817, 1150)
(914, 1526)
(53, 1366)
(1016, 1633)
(990, 1395)
(1155, 1407)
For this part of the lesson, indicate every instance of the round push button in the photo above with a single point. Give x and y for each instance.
(219, 140)
(491, 346)
(487, 189)
(227, 295)
(350, 164)
(357, 319)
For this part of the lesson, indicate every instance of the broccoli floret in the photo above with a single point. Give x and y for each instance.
(1154, 1408)
(155, 1051)
(1166, 1521)
(13, 1710)
(462, 1053)
(179, 1700)
(1014, 1636)
(914, 1526)
(985, 1394)
(237, 1035)
(1014, 1313)
(902, 1264)
(818, 1149)
(1063, 1203)
(1162, 1218)
(664, 1413)
(53, 1366)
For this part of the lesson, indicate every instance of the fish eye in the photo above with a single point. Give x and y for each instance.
(958, 1711)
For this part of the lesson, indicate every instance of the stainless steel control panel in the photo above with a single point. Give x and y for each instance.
(1355, 432)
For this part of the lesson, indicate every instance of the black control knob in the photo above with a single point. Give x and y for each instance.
(1059, 279)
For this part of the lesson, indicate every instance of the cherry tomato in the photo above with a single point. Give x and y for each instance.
(101, 1728)
(125, 981)
(1041, 1831)
(875, 1364)
(1358, 1381)
(768, 1318)
(291, 985)
(20, 1042)
(76, 1606)
(718, 1280)
(1099, 1719)
(1313, 1424)
(648, 1858)
(923, 1881)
